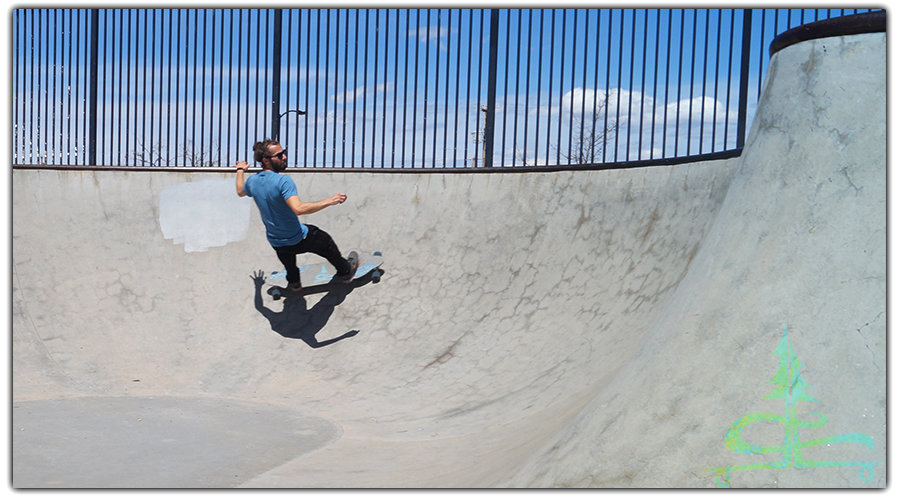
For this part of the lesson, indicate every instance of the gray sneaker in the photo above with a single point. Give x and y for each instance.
(353, 260)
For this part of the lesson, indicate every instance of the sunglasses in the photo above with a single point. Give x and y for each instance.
(282, 153)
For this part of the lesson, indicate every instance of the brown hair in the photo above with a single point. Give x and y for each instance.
(261, 149)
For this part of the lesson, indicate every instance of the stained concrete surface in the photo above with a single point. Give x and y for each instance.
(573, 329)
(149, 442)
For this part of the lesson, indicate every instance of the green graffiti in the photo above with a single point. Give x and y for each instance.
(790, 387)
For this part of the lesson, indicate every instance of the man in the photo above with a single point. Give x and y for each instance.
(279, 205)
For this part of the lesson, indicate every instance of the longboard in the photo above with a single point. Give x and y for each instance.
(323, 273)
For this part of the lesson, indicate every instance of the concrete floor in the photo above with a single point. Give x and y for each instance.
(664, 327)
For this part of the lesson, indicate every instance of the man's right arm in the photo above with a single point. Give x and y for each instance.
(242, 167)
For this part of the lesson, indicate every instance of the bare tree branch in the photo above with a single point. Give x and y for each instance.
(589, 144)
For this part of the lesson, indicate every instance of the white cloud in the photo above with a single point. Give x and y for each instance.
(698, 109)
(623, 101)
(349, 96)
(384, 87)
(426, 33)
(639, 126)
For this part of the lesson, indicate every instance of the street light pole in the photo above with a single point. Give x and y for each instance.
(276, 125)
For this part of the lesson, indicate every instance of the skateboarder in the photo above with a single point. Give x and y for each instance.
(279, 205)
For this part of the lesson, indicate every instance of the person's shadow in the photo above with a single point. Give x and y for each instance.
(296, 321)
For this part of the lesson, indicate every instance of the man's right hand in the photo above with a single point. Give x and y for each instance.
(337, 199)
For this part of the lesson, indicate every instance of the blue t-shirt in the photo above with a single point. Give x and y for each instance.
(270, 190)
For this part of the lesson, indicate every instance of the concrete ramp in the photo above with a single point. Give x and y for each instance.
(776, 338)
(580, 329)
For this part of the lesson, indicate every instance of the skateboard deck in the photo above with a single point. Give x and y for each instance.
(323, 273)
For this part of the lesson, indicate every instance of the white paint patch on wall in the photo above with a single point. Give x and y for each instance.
(203, 214)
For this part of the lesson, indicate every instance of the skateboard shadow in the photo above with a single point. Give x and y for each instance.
(297, 320)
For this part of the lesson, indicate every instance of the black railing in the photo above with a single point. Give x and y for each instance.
(389, 88)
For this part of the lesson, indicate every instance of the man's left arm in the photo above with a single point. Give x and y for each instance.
(311, 207)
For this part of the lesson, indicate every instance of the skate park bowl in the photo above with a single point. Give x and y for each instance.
(704, 325)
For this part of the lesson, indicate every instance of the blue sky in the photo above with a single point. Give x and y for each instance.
(364, 109)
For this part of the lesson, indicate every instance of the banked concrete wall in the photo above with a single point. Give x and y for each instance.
(768, 367)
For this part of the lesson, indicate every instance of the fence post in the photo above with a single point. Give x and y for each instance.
(745, 77)
(488, 159)
(276, 76)
(92, 99)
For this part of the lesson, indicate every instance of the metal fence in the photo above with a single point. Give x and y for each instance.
(388, 88)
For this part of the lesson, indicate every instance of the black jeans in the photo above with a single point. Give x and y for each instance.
(317, 242)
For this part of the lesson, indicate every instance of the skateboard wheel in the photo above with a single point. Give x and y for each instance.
(377, 253)
(276, 295)
(376, 277)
